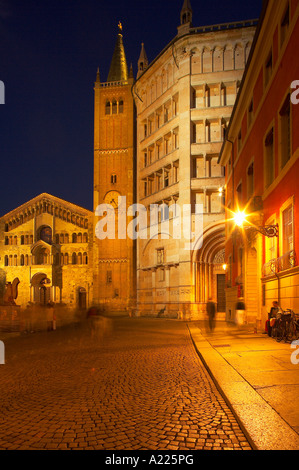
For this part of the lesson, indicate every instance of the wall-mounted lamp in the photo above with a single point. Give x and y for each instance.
(221, 191)
(269, 231)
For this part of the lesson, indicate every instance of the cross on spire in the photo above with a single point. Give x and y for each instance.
(118, 69)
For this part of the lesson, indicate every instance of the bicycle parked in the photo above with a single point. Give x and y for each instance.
(286, 326)
(294, 327)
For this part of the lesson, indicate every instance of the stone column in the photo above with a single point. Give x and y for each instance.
(153, 270)
(199, 278)
(205, 165)
(193, 291)
(34, 227)
(167, 286)
(206, 282)
(210, 270)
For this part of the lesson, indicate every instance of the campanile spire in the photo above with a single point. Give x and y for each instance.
(118, 69)
(186, 12)
(186, 18)
(143, 61)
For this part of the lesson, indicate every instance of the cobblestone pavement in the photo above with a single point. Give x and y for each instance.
(131, 384)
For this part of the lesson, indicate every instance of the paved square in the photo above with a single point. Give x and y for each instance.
(123, 384)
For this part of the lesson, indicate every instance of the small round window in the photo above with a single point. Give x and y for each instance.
(45, 234)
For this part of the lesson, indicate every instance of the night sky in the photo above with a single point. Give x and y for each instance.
(49, 54)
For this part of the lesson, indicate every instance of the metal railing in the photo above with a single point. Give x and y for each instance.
(274, 266)
(224, 26)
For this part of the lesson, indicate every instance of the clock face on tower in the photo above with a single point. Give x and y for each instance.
(112, 198)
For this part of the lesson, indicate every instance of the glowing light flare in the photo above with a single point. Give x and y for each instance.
(240, 218)
(221, 191)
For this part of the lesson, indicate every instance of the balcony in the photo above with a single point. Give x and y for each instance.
(208, 183)
(285, 262)
(200, 148)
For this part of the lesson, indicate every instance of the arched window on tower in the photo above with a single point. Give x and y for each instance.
(114, 107)
(108, 108)
(185, 18)
(121, 106)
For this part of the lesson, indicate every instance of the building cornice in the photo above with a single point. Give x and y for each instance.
(48, 198)
(201, 30)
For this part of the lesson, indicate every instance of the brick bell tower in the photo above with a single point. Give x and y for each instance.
(114, 283)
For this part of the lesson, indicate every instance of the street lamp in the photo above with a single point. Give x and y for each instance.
(269, 231)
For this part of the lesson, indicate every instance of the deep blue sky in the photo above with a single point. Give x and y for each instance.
(49, 54)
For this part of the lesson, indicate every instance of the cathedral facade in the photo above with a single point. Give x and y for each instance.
(47, 244)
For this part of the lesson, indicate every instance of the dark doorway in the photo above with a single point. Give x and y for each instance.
(82, 298)
(221, 300)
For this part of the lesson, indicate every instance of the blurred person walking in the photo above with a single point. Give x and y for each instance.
(211, 312)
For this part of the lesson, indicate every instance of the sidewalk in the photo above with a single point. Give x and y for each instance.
(258, 380)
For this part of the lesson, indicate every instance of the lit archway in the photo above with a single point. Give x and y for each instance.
(207, 260)
(40, 284)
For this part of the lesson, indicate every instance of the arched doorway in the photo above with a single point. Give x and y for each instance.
(41, 253)
(209, 275)
(82, 298)
(220, 278)
(41, 288)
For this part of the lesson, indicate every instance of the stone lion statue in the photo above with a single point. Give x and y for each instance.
(11, 292)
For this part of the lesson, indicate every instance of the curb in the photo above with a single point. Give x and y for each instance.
(262, 425)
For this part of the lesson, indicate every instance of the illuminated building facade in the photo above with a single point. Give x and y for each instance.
(47, 244)
(184, 100)
(157, 141)
(114, 259)
(260, 155)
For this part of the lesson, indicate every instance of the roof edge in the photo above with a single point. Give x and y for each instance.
(46, 196)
